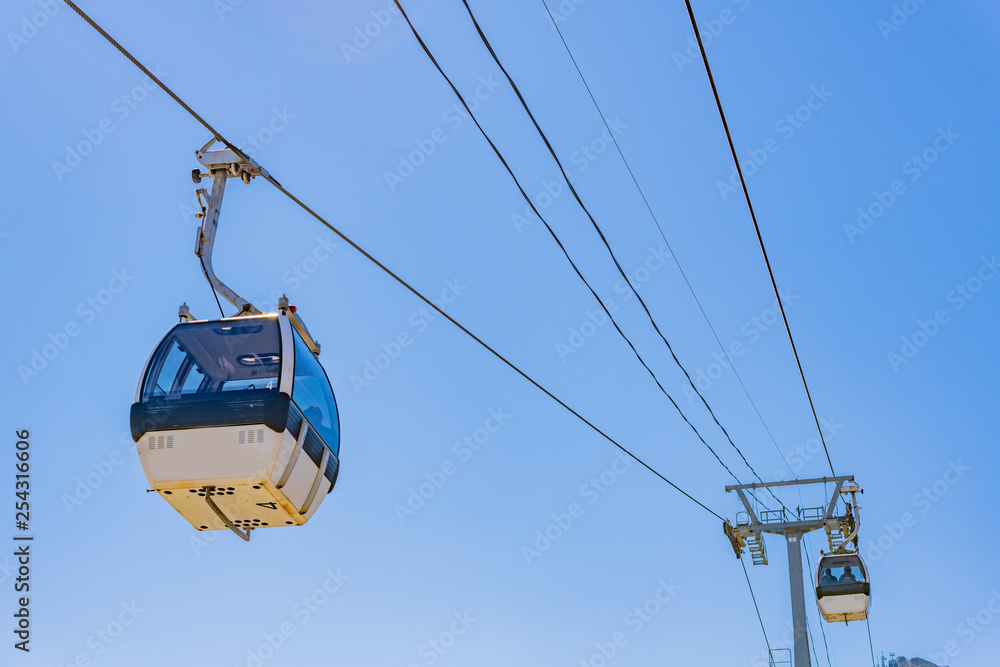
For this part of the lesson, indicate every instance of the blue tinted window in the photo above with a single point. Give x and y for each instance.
(313, 395)
(204, 358)
(841, 570)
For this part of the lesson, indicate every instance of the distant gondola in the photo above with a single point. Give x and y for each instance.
(842, 587)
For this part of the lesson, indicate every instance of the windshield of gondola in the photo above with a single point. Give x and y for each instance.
(212, 357)
(846, 570)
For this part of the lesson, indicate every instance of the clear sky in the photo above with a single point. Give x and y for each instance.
(868, 131)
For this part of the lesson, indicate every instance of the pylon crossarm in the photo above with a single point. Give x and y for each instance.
(791, 482)
(786, 527)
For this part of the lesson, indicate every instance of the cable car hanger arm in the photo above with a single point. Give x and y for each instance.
(222, 165)
(853, 489)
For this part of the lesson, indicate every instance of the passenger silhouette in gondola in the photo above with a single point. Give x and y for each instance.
(828, 578)
(315, 416)
(847, 577)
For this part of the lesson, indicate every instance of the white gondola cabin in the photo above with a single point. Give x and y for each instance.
(236, 424)
(842, 587)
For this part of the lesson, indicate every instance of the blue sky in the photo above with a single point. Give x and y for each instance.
(877, 205)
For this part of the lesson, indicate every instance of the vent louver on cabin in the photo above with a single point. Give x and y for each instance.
(161, 442)
(250, 436)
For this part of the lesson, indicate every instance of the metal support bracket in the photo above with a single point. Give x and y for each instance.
(851, 520)
(222, 165)
(320, 474)
(245, 535)
(294, 456)
(184, 313)
(300, 326)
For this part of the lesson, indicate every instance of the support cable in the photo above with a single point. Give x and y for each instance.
(870, 644)
(604, 239)
(812, 643)
(152, 76)
(384, 268)
(760, 238)
(645, 200)
(214, 293)
(614, 140)
(580, 275)
(822, 629)
(754, 598)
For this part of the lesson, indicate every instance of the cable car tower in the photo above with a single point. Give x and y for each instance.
(840, 599)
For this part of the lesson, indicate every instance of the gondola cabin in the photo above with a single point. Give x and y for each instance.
(236, 424)
(842, 587)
